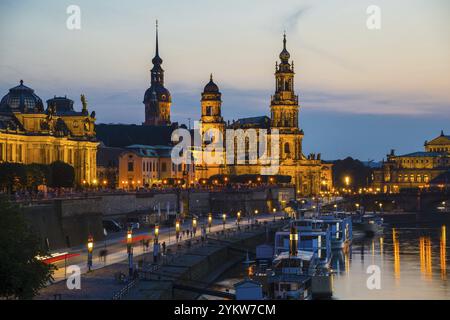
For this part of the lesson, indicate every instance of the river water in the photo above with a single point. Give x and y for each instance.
(410, 261)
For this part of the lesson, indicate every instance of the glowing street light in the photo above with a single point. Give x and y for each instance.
(156, 233)
(209, 221)
(130, 250)
(194, 225)
(347, 180)
(224, 217)
(90, 247)
(238, 217)
(274, 212)
(177, 229)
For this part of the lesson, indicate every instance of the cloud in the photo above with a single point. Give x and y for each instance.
(292, 20)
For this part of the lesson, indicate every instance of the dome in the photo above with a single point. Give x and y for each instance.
(284, 55)
(211, 87)
(158, 91)
(21, 99)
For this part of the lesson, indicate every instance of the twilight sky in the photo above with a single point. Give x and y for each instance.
(362, 92)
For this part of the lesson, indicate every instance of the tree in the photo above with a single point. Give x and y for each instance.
(12, 176)
(36, 175)
(358, 173)
(62, 175)
(22, 275)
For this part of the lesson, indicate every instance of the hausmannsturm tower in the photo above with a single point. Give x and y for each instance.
(157, 98)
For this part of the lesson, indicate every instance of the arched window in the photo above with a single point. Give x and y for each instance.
(287, 148)
(208, 110)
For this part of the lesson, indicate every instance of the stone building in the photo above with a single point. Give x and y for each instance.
(143, 166)
(29, 133)
(309, 173)
(415, 170)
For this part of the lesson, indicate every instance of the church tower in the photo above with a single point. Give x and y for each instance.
(157, 99)
(211, 105)
(211, 118)
(284, 108)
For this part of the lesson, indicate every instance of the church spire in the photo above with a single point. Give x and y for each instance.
(157, 49)
(157, 71)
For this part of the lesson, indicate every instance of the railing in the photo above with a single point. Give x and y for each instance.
(125, 290)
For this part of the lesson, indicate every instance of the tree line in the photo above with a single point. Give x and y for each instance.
(18, 176)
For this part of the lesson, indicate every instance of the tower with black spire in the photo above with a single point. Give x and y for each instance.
(157, 99)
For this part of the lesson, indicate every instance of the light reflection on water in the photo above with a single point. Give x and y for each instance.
(412, 260)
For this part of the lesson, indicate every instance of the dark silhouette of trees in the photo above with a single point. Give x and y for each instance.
(360, 174)
(62, 175)
(22, 274)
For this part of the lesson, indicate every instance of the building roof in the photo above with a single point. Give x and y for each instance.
(151, 151)
(254, 122)
(442, 139)
(423, 154)
(21, 99)
(122, 135)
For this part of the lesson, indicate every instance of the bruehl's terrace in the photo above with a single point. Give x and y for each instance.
(230, 155)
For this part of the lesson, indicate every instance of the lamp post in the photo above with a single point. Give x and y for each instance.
(194, 225)
(177, 229)
(156, 233)
(209, 221)
(130, 251)
(90, 246)
(274, 211)
(254, 217)
(224, 217)
(238, 217)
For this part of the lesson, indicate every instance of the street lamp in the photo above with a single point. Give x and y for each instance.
(274, 211)
(177, 229)
(90, 246)
(156, 233)
(209, 221)
(238, 217)
(194, 225)
(130, 251)
(347, 180)
(224, 217)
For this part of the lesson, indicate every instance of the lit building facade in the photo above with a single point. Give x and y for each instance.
(309, 173)
(145, 166)
(414, 170)
(29, 133)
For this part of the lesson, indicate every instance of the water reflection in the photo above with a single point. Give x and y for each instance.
(396, 244)
(415, 253)
(412, 259)
(443, 253)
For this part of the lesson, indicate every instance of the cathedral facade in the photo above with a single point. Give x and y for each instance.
(309, 173)
(30, 133)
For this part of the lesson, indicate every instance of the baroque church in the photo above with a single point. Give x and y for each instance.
(309, 173)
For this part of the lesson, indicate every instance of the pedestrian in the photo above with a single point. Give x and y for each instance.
(164, 247)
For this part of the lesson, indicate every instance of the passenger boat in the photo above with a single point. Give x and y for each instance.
(341, 230)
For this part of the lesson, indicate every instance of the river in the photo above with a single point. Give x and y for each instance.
(408, 258)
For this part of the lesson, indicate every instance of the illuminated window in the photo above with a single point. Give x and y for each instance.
(425, 178)
(130, 166)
